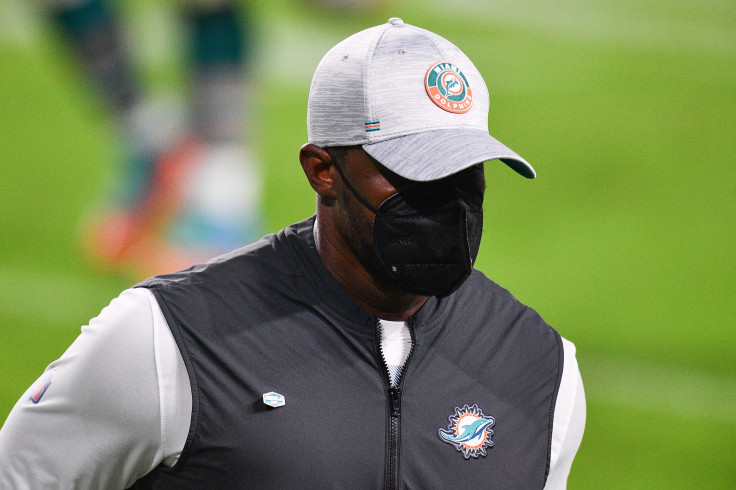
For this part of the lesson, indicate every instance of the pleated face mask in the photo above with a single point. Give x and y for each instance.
(427, 235)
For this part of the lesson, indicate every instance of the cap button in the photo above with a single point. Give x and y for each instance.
(395, 21)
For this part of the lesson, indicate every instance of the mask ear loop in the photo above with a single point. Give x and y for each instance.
(359, 197)
(352, 189)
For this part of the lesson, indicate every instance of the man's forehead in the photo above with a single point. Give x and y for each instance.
(360, 160)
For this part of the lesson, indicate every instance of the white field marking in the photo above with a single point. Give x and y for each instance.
(155, 34)
(20, 23)
(287, 50)
(42, 296)
(291, 51)
(47, 297)
(660, 388)
(586, 21)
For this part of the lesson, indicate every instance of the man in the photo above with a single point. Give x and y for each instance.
(355, 349)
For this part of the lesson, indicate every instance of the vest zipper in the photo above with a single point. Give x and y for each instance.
(394, 400)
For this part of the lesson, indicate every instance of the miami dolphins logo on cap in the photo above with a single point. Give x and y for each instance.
(469, 431)
(448, 88)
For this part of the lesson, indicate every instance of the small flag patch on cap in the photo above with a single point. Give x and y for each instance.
(372, 126)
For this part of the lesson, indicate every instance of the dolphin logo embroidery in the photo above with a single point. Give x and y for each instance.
(469, 431)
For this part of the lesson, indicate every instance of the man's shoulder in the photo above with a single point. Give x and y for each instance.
(492, 300)
(273, 257)
(480, 288)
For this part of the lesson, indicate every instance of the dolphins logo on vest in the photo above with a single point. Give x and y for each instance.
(469, 430)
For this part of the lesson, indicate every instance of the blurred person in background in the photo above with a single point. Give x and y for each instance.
(187, 187)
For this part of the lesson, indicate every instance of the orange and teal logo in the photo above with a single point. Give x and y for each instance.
(469, 430)
(371, 126)
(448, 88)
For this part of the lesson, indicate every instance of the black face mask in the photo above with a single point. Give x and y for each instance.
(427, 235)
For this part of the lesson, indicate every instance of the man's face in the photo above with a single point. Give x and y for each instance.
(375, 183)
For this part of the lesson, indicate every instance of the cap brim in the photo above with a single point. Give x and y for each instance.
(433, 155)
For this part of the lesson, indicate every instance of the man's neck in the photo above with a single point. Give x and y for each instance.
(383, 302)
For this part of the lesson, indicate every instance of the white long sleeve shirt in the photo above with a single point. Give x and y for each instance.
(118, 403)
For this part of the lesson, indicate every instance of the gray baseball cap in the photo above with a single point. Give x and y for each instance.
(411, 98)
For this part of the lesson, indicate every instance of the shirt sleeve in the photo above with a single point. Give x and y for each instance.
(569, 421)
(108, 411)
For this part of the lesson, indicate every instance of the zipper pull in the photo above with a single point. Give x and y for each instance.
(395, 399)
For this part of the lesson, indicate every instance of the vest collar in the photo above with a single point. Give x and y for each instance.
(327, 292)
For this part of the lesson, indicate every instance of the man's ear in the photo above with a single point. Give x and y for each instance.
(316, 163)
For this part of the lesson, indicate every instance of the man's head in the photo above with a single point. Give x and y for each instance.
(417, 237)
(398, 129)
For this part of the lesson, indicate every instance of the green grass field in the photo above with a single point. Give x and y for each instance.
(625, 242)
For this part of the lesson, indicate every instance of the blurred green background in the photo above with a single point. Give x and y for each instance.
(625, 242)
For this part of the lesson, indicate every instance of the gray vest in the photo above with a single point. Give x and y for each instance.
(474, 408)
